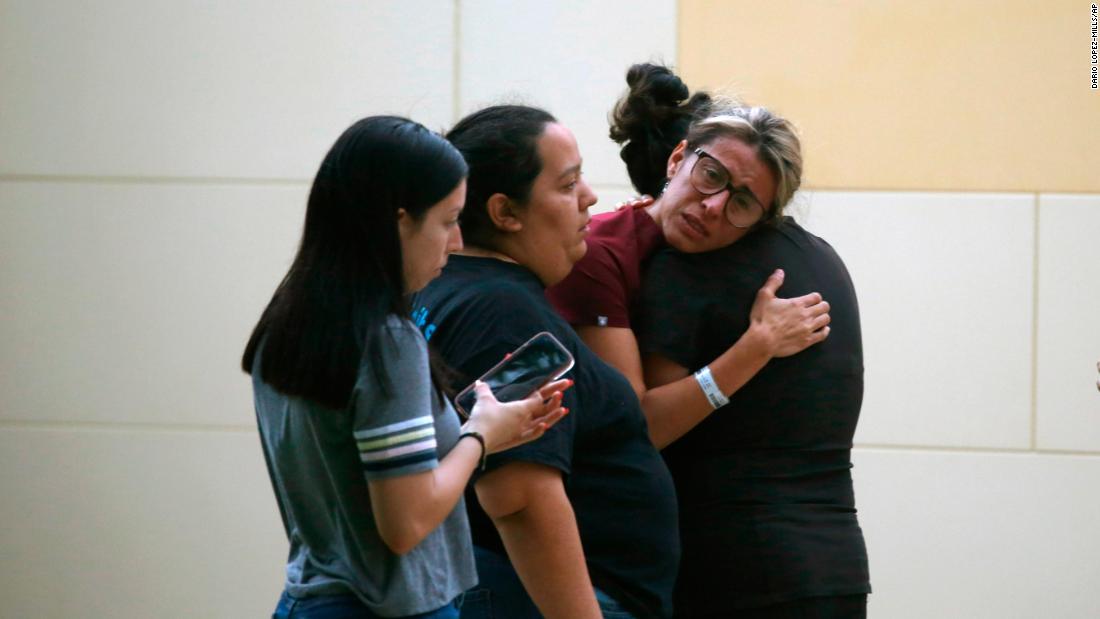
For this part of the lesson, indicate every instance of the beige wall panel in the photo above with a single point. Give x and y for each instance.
(569, 57)
(979, 535)
(945, 297)
(133, 302)
(1069, 322)
(137, 524)
(944, 95)
(213, 89)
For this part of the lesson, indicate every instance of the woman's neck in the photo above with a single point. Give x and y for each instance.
(481, 252)
(656, 211)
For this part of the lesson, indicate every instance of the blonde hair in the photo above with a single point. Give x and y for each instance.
(772, 136)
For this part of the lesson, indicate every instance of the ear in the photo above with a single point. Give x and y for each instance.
(404, 223)
(676, 159)
(503, 213)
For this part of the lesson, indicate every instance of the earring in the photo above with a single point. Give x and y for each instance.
(665, 186)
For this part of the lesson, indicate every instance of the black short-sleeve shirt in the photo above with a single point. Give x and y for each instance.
(767, 512)
(621, 491)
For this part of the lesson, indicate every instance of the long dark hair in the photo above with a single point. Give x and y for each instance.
(500, 144)
(347, 277)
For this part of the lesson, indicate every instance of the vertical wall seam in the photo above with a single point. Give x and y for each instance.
(456, 64)
(678, 19)
(1035, 327)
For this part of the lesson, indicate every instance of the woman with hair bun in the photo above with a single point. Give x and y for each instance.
(599, 296)
(365, 454)
(761, 462)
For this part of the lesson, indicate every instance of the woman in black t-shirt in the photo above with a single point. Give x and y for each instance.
(584, 517)
(767, 514)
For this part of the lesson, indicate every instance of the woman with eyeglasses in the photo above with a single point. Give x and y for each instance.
(768, 522)
(697, 209)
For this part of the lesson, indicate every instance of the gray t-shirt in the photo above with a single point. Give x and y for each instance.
(320, 459)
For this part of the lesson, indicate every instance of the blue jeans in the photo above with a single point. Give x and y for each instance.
(346, 607)
(500, 593)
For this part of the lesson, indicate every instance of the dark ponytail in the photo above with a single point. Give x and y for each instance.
(500, 145)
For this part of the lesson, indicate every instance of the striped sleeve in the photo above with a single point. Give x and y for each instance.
(395, 432)
(397, 448)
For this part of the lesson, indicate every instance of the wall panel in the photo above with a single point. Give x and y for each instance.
(979, 535)
(568, 57)
(133, 302)
(137, 524)
(1069, 323)
(210, 89)
(945, 292)
(895, 95)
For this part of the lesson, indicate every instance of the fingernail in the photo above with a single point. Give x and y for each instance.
(570, 383)
(564, 410)
(507, 354)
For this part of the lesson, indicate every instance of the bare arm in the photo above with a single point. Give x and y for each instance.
(778, 328)
(409, 507)
(528, 505)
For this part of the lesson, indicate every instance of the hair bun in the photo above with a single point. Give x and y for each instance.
(656, 82)
(650, 119)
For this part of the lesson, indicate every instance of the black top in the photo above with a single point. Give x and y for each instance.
(767, 512)
(622, 494)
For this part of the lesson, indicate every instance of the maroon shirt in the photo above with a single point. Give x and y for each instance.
(603, 287)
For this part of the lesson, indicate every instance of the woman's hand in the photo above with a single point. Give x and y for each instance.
(504, 425)
(641, 201)
(789, 325)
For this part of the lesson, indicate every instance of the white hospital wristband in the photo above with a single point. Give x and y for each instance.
(710, 389)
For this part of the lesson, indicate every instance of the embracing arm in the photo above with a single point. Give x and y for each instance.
(528, 505)
(777, 328)
(675, 406)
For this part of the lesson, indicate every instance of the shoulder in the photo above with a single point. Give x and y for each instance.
(612, 220)
(403, 335)
(401, 328)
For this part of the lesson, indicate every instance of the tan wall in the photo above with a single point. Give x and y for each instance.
(950, 161)
(889, 94)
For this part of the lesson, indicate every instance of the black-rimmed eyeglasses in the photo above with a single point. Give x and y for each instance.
(709, 176)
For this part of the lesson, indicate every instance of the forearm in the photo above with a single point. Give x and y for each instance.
(406, 509)
(449, 481)
(675, 407)
(545, 548)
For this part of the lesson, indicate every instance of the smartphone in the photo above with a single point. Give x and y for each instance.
(537, 362)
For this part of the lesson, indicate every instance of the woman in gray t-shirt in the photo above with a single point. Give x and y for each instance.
(366, 456)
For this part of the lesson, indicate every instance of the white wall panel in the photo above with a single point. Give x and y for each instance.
(946, 301)
(137, 524)
(980, 535)
(609, 196)
(133, 302)
(1069, 322)
(569, 57)
(211, 89)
